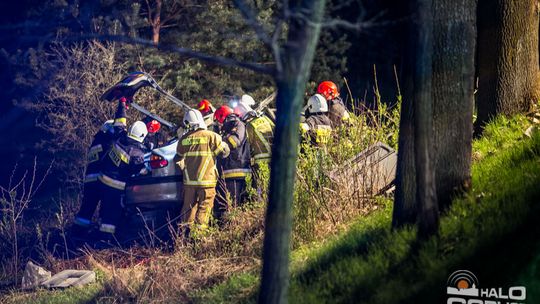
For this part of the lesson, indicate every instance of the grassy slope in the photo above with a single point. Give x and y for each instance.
(492, 231)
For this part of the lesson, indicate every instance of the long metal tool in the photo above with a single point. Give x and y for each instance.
(263, 104)
(128, 86)
(143, 110)
(175, 100)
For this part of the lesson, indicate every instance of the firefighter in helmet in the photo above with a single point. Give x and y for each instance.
(260, 132)
(235, 168)
(110, 131)
(155, 138)
(123, 160)
(207, 110)
(317, 127)
(196, 155)
(337, 111)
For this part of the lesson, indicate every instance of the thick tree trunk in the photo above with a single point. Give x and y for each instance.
(454, 32)
(291, 83)
(415, 194)
(405, 208)
(425, 177)
(508, 65)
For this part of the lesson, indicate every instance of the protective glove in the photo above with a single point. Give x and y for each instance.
(125, 102)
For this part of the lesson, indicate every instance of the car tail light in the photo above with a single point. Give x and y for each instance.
(157, 162)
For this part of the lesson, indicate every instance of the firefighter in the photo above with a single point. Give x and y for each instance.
(337, 112)
(207, 111)
(196, 155)
(154, 139)
(109, 132)
(235, 168)
(260, 132)
(317, 127)
(123, 160)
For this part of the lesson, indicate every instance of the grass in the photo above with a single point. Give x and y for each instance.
(492, 231)
(85, 294)
(363, 261)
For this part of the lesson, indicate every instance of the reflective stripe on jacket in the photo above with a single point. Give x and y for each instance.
(236, 173)
(111, 182)
(260, 131)
(91, 177)
(199, 149)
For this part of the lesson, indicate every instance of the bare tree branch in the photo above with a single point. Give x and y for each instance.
(251, 19)
(150, 18)
(358, 26)
(174, 12)
(344, 4)
(219, 60)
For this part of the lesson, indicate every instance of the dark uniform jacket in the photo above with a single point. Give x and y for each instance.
(237, 165)
(337, 112)
(102, 142)
(124, 159)
(318, 128)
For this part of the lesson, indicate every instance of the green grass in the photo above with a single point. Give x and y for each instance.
(492, 231)
(239, 288)
(84, 294)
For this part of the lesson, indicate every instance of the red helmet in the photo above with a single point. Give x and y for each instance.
(204, 106)
(222, 113)
(328, 89)
(153, 126)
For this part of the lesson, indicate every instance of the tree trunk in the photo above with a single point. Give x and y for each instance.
(508, 64)
(155, 34)
(405, 205)
(454, 32)
(156, 23)
(297, 57)
(425, 178)
(415, 194)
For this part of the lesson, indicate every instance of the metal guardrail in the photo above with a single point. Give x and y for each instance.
(372, 171)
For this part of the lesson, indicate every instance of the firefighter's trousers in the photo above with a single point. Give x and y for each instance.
(231, 193)
(91, 197)
(111, 208)
(198, 203)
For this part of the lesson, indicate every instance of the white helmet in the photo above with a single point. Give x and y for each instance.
(317, 103)
(243, 109)
(138, 131)
(247, 100)
(106, 127)
(194, 120)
